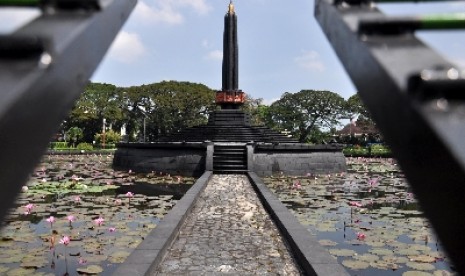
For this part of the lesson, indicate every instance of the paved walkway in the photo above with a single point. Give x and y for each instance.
(228, 233)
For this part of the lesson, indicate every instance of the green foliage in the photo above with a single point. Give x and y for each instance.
(74, 135)
(357, 109)
(376, 150)
(84, 146)
(59, 145)
(98, 101)
(111, 137)
(307, 111)
(356, 151)
(165, 107)
(380, 150)
(176, 105)
(256, 109)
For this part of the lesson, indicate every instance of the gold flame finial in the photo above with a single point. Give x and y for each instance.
(231, 7)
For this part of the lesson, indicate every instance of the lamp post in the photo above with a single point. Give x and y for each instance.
(103, 132)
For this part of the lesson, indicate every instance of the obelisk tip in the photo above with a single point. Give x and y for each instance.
(231, 7)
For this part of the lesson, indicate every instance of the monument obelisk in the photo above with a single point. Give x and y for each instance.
(230, 97)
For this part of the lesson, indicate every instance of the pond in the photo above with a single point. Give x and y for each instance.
(367, 218)
(78, 216)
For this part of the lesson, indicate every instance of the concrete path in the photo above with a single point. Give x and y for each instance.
(228, 233)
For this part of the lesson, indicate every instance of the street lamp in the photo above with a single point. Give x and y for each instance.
(103, 132)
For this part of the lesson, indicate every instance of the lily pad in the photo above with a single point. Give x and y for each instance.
(367, 258)
(420, 266)
(423, 259)
(342, 252)
(384, 265)
(118, 257)
(381, 252)
(355, 264)
(20, 272)
(416, 273)
(91, 269)
(327, 242)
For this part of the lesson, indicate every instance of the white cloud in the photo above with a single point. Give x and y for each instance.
(310, 60)
(216, 55)
(168, 11)
(13, 18)
(269, 101)
(205, 43)
(164, 13)
(199, 6)
(127, 48)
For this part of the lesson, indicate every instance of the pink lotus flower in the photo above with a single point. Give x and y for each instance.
(373, 182)
(296, 185)
(77, 198)
(51, 219)
(29, 208)
(82, 261)
(65, 240)
(356, 204)
(361, 236)
(99, 221)
(112, 229)
(71, 218)
(117, 201)
(129, 194)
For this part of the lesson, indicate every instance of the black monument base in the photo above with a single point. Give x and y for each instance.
(229, 117)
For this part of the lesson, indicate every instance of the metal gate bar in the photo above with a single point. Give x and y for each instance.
(44, 67)
(416, 99)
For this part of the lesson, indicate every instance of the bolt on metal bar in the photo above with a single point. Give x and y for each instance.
(402, 82)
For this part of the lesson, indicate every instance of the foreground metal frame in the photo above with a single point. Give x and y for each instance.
(44, 67)
(415, 97)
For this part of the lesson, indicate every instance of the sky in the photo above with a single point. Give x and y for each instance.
(281, 46)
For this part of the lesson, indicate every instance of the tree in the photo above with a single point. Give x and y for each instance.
(307, 112)
(256, 109)
(74, 135)
(98, 101)
(357, 109)
(177, 105)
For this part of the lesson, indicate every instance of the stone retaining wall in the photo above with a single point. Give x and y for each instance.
(265, 159)
(186, 159)
(297, 159)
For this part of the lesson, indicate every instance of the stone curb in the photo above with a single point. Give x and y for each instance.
(309, 254)
(150, 252)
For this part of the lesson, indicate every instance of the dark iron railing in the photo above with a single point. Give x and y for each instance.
(44, 67)
(416, 98)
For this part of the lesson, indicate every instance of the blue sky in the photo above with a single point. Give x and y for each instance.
(281, 46)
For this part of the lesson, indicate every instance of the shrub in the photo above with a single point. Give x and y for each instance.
(111, 137)
(59, 145)
(380, 150)
(84, 146)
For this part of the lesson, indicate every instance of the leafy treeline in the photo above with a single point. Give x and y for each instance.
(165, 108)
(169, 106)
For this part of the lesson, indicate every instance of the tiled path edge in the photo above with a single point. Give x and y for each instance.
(152, 249)
(309, 254)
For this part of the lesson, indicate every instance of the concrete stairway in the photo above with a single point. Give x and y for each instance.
(230, 158)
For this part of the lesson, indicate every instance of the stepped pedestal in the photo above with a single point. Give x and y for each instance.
(229, 117)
